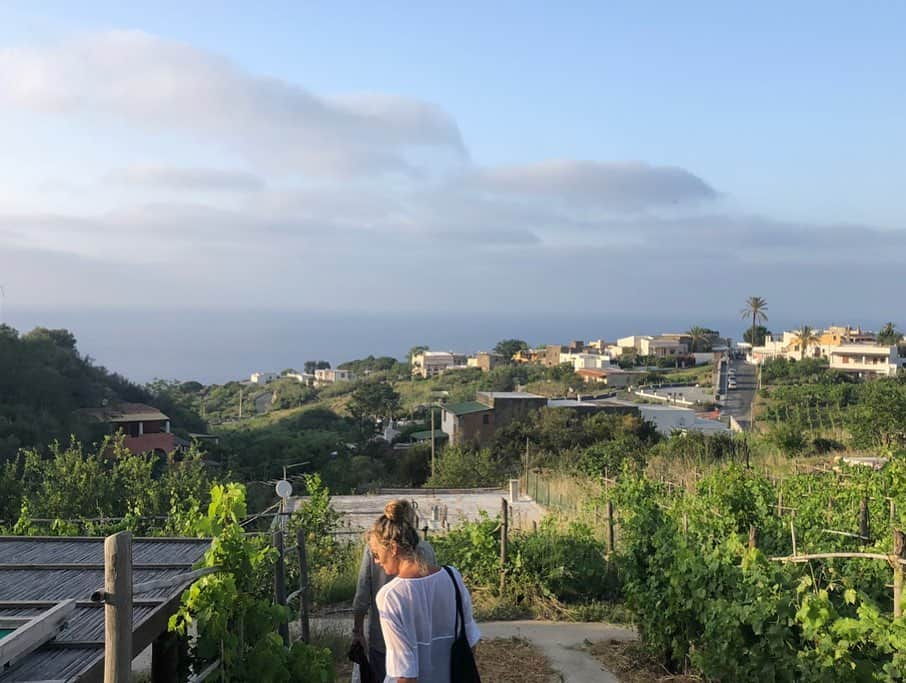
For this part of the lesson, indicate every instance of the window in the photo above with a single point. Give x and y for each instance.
(486, 419)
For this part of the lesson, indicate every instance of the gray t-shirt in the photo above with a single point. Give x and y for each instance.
(371, 579)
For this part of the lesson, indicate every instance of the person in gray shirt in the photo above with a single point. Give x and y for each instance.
(371, 579)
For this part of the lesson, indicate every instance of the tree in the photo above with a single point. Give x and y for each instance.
(889, 335)
(756, 308)
(701, 338)
(761, 333)
(312, 365)
(509, 347)
(373, 399)
(804, 338)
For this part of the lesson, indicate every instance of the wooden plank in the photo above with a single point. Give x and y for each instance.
(46, 604)
(90, 566)
(180, 580)
(100, 539)
(34, 633)
(118, 608)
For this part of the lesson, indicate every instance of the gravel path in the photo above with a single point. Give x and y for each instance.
(562, 643)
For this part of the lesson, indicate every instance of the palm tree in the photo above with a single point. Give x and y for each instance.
(806, 337)
(699, 334)
(889, 335)
(755, 307)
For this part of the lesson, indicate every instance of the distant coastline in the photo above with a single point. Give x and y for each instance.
(214, 346)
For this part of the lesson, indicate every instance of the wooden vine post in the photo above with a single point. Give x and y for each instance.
(280, 583)
(118, 608)
(303, 586)
(504, 539)
(753, 537)
(899, 553)
(864, 529)
(610, 533)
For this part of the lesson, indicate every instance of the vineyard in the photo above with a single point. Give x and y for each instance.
(723, 581)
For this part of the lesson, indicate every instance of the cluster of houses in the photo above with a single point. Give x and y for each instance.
(847, 349)
(597, 362)
(318, 378)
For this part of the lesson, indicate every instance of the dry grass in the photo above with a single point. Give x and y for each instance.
(500, 660)
(631, 663)
(513, 660)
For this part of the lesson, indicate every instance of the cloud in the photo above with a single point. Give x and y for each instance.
(186, 179)
(279, 126)
(628, 186)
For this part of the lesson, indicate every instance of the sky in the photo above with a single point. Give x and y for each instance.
(469, 157)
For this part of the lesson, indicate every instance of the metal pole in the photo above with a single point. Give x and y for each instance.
(118, 608)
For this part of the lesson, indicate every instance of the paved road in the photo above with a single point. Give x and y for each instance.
(738, 401)
(562, 644)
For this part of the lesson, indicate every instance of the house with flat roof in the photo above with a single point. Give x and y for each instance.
(866, 360)
(432, 363)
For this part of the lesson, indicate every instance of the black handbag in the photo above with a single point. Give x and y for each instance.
(462, 661)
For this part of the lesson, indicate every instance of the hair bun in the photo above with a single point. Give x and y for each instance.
(397, 510)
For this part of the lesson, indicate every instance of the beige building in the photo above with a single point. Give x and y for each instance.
(329, 376)
(866, 360)
(486, 360)
(433, 363)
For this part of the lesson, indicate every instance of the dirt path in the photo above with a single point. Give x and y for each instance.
(562, 642)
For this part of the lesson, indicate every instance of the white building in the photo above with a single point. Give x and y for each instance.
(586, 361)
(866, 360)
(329, 376)
(664, 346)
(263, 377)
(432, 363)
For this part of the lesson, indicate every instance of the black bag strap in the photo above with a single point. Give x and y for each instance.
(459, 627)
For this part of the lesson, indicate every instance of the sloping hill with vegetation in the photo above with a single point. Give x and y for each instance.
(45, 380)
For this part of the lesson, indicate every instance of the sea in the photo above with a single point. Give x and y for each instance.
(215, 346)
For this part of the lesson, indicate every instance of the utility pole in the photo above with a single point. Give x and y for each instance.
(240, 401)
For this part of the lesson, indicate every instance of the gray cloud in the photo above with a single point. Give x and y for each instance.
(154, 83)
(613, 186)
(186, 179)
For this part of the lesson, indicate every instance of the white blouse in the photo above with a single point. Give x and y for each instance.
(418, 620)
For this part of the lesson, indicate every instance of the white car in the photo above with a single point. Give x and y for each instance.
(731, 383)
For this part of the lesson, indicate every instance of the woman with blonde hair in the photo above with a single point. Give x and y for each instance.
(424, 611)
(371, 579)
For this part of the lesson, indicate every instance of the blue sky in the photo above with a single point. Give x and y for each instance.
(683, 154)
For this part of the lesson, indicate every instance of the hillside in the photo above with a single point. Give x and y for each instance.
(44, 380)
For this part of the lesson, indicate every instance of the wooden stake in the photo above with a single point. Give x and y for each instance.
(303, 586)
(504, 538)
(793, 532)
(899, 551)
(863, 520)
(610, 534)
(118, 608)
(753, 537)
(280, 584)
